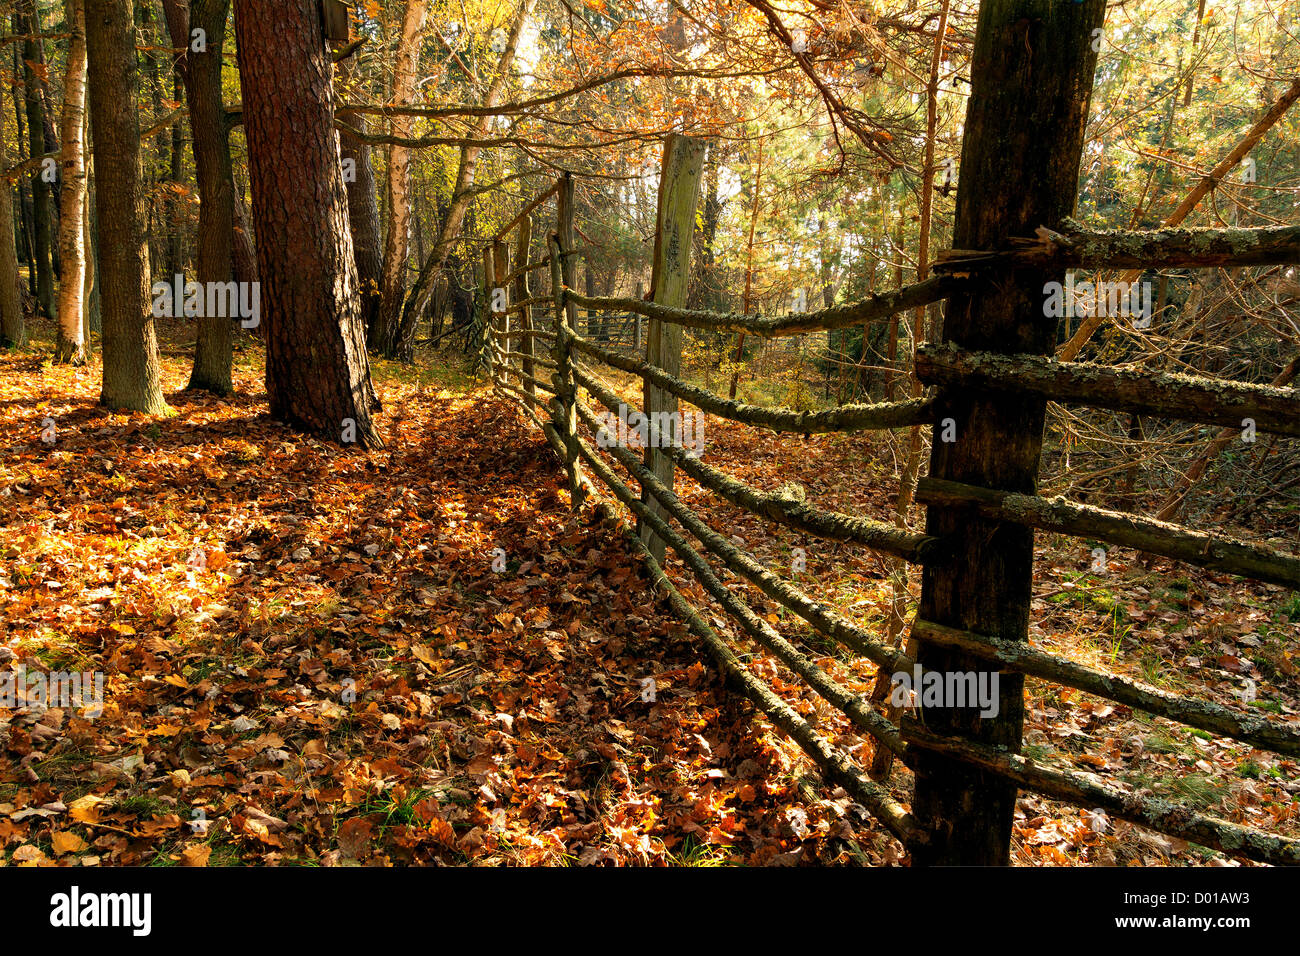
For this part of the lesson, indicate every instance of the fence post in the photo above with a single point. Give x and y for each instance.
(1032, 71)
(501, 320)
(679, 191)
(564, 411)
(487, 318)
(636, 328)
(522, 293)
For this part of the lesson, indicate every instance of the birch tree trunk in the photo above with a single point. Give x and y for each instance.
(71, 345)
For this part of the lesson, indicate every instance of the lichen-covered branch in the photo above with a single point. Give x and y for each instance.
(1204, 715)
(1086, 790)
(845, 418)
(1215, 551)
(1189, 397)
(834, 763)
(791, 512)
(1072, 246)
(874, 307)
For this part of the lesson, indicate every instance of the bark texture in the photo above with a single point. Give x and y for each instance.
(397, 241)
(13, 329)
(200, 70)
(1031, 79)
(71, 345)
(317, 372)
(131, 375)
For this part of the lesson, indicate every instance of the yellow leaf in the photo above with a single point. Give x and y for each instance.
(196, 855)
(85, 809)
(65, 841)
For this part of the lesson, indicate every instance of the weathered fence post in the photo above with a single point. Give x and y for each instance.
(636, 327)
(501, 319)
(522, 293)
(679, 190)
(487, 318)
(563, 409)
(1032, 73)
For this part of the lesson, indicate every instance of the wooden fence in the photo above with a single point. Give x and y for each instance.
(976, 535)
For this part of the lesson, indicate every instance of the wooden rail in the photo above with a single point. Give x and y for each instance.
(592, 454)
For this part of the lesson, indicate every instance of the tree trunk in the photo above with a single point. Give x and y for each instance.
(749, 271)
(33, 57)
(397, 241)
(245, 253)
(24, 197)
(91, 321)
(71, 347)
(317, 372)
(131, 375)
(1031, 74)
(13, 330)
(705, 291)
(200, 69)
(363, 215)
(403, 346)
(175, 198)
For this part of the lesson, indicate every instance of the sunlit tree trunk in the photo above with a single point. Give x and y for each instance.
(397, 241)
(13, 330)
(131, 375)
(71, 347)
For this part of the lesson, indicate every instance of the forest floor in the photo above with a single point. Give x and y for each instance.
(316, 655)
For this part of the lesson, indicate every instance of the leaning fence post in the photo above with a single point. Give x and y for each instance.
(501, 318)
(679, 190)
(522, 294)
(636, 327)
(1032, 63)
(563, 407)
(486, 317)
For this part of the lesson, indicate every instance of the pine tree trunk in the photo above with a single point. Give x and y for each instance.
(71, 347)
(363, 215)
(397, 241)
(200, 70)
(131, 375)
(13, 330)
(317, 371)
(1031, 74)
(33, 56)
